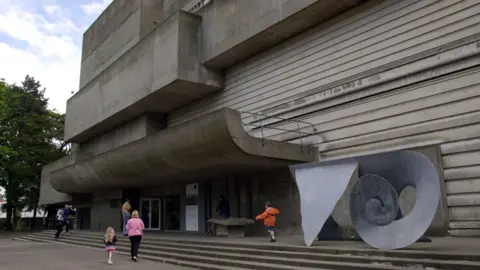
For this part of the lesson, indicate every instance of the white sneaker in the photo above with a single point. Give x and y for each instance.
(110, 263)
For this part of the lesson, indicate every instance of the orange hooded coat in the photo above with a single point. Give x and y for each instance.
(269, 216)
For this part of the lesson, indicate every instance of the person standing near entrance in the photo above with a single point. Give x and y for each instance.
(126, 207)
(223, 207)
(135, 229)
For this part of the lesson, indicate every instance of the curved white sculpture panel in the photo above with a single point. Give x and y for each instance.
(373, 203)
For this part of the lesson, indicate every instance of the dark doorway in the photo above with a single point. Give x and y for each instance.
(171, 213)
(83, 218)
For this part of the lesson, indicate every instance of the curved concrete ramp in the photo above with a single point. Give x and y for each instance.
(212, 145)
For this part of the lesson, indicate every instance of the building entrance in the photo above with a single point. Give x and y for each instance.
(150, 213)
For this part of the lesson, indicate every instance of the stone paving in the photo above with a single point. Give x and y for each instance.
(20, 255)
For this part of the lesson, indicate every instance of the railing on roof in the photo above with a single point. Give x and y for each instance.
(261, 127)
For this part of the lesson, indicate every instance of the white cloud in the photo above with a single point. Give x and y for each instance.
(51, 58)
(59, 77)
(95, 8)
(44, 42)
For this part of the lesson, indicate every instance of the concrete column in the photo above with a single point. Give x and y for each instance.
(202, 191)
(106, 210)
(245, 199)
(256, 205)
(233, 196)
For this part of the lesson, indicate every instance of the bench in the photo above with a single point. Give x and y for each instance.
(232, 227)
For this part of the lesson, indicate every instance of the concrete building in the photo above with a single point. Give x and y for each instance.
(181, 101)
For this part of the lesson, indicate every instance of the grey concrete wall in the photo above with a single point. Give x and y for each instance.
(237, 29)
(159, 73)
(114, 32)
(134, 129)
(118, 29)
(106, 210)
(48, 195)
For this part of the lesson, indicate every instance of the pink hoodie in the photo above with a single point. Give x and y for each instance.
(135, 226)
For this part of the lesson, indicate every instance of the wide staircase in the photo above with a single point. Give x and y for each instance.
(209, 253)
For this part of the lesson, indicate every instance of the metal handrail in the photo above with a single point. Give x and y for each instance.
(279, 118)
(261, 127)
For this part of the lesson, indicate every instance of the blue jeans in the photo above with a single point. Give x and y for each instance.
(126, 217)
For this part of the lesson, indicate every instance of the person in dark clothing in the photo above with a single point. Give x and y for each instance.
(59, 223)
(223, 207)
(66, 221)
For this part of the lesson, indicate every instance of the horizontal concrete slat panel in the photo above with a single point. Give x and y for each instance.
(327, 100)
(341, 50)
(362, 20)
(266, 96)
(356, 136)
(430, 119)
(313, 72)
(464, 199)
(402, 142)
(462, 173)
(302, 85)
(332, 68)
(465, 225)
(460, 146)
(464, 213)
(388, 108)
(464, 233)
(461, 159)
(462, 186)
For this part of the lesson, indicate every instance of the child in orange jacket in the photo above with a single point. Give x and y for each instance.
(269, 219)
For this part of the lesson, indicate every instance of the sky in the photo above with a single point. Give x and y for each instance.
(43, 39)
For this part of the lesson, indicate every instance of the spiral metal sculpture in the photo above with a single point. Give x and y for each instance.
(374, 199)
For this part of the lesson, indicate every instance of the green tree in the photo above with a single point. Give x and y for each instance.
(30, 137)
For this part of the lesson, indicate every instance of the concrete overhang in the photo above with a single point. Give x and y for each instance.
(212, 145)
(159, 73)
(238, 30)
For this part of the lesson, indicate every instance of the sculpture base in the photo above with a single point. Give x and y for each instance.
(232, 227)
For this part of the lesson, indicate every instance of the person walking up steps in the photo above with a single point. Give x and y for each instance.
(135, 229)
(126, 208)
(59, 223)
(66, 221)
(269, 217)
(110, 240)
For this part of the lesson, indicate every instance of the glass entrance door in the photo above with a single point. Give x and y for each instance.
(150, 213)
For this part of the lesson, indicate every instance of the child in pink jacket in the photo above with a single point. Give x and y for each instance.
(135, 228)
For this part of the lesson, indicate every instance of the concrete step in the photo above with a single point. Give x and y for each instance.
(203, 266)
(199, 251)
(286, 257)
(187, 260)
(409, 254)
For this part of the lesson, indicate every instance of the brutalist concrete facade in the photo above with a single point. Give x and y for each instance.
(143, 59)
(165, 96)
